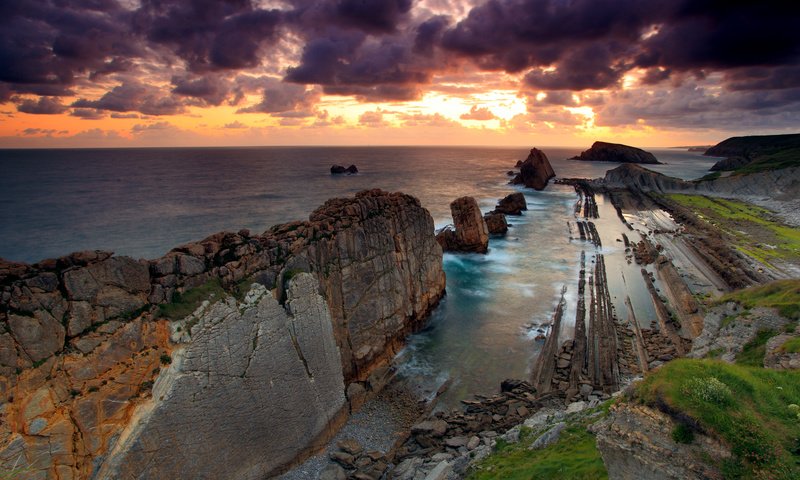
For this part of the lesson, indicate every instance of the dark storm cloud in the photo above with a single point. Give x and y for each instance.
(429, 34)
(45, 44)
(43, 106)
(369, 16)
(211, 89)
(133, 96)
(208, 34)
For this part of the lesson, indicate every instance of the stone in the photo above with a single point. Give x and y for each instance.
(586, 390)
(473, 443)
(576, 407)
(471, 233)
(332, 472)
(549, 437)
(456, 442)
(440, 471)
(350, 446)
(615, 152)
(343, 458)
(512, 204)
(40, 336)
(496, 223)
(535, 172)
(432, 427)
(511, 436)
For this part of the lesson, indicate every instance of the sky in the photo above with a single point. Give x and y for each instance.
(133, 73)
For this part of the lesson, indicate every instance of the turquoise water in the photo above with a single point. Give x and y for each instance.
(142, 202)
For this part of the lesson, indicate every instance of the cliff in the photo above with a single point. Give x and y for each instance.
(615, 152)
(535, 172)
(90, 343)
(756, 153)
(775, 184)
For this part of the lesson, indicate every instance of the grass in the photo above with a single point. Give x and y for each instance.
(783, 295)
(791, 346)
(753, 351)
(755, 232)
(183, 304)
(573, 456)
(746, 407)
(772, 161)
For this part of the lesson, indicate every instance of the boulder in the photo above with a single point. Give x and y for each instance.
(338, 170)
(615, 152)
(512, 204)
(535, 171)
(471, 233)
(496, 223)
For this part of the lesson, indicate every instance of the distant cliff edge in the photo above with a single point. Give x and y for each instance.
(615, 152)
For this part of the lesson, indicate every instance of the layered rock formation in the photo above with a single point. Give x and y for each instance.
(471, 233)
(86, 348)
(255, 378)
(636, 442)
(535, 171)
(615, 152)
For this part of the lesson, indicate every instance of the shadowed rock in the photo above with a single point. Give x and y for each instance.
(512, 204)
(496, 223)
(338, 170)
(535, 171)
(615, 152)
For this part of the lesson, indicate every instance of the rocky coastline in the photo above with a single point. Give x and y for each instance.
(95, 361)
(615, 152)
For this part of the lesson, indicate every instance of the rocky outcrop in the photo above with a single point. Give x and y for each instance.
(471, 233)
(255, 383)
(339, 170)
(512, 204)
(615, 152)
(778, 357)
(636, 442)
(535, 172)
(753, 145)
(496, 223)
(84, 339)
(731, 163)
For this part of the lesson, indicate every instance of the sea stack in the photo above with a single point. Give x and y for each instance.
(616, 152)
(535, 171)
(471, 233)
(339, 170)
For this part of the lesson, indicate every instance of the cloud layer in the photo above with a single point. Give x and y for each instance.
(657, 60)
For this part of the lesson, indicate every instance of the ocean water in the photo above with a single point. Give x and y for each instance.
(143, 202)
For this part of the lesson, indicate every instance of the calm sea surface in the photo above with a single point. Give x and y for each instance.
(143, 202)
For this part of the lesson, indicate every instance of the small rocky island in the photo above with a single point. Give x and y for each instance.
(340, 170)
(616, 152)
(535, 171)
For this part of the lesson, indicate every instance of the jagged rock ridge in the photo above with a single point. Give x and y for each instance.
(535, 172)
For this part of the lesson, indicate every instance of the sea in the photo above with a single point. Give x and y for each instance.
(143, 202)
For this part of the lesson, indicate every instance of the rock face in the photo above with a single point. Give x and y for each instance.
(615, 152)
(246, 366)
(496, 223)
(512, 204)
(535, 171)
(85, 351)
(471, 233)
(636, 442)
(338, 170)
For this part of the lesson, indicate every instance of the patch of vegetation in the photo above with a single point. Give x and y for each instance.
(753, 351)
(783, 295)
(242, 287)
(791, 346)
(39, 363)
(710, 176)
(183, 304)
(754, 230)
(715, 353)
(165, 359)
(683, 433)
(573, 456)
(773, 161)
(746, 407)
